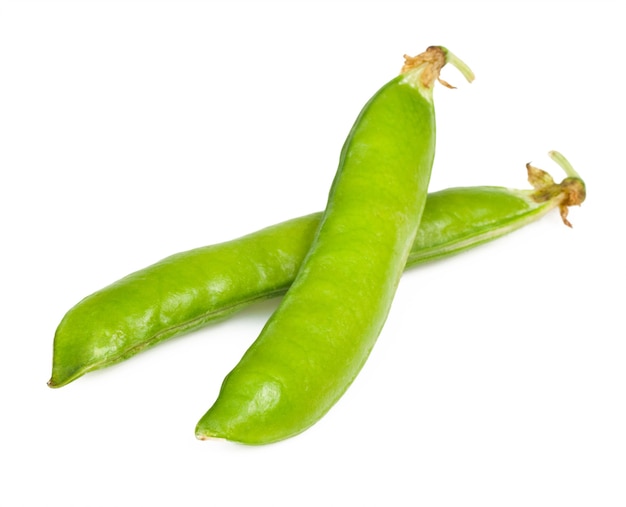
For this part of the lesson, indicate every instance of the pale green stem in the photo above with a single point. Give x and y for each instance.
(565, 164)
(459, 64)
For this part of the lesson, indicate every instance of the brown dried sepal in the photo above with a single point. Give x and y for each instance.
(574, 193)
(570, 192)
(432, 60)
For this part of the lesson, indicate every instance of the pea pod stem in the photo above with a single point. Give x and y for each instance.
(565, 164)
(459, 64)
(463, 68)
(571, 191)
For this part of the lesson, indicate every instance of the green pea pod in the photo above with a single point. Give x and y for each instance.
(318, 339)
(190, 289)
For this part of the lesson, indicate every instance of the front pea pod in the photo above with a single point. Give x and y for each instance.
(318, 339)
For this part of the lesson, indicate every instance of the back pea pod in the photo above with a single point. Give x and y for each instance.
(191, 289)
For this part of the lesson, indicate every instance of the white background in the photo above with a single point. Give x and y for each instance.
(132, 130)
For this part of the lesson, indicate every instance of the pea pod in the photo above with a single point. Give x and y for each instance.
(317, 340)
(207, 284)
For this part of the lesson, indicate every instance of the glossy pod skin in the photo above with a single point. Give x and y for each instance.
(317, 340)
(177, 294)
(191, 289)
